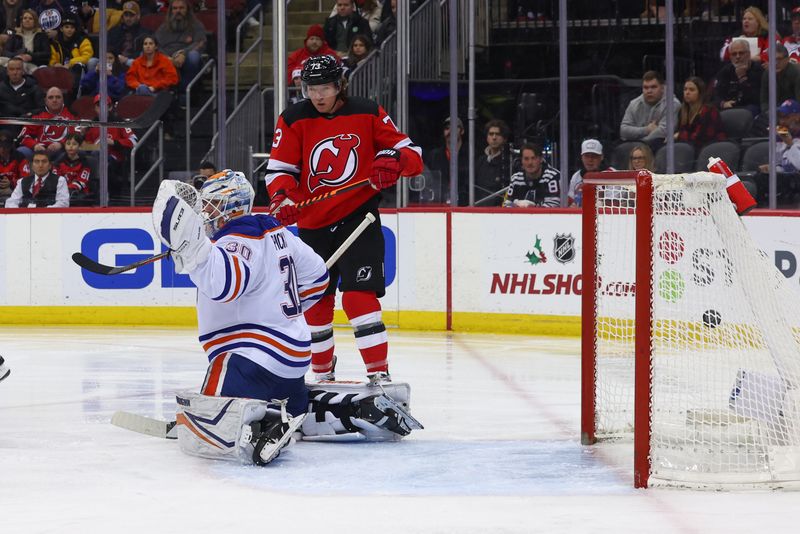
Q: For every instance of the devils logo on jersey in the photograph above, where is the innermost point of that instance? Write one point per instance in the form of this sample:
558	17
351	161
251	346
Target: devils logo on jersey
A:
333	161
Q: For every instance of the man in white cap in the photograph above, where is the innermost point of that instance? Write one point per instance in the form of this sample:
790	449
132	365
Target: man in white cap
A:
592	161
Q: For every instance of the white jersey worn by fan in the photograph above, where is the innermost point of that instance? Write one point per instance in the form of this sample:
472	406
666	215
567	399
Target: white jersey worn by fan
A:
254	264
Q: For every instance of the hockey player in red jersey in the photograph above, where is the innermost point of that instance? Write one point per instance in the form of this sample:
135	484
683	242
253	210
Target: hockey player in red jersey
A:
324	142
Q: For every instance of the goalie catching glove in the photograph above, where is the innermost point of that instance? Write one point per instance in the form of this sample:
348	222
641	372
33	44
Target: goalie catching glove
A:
179	225
737	192
282	208
386	169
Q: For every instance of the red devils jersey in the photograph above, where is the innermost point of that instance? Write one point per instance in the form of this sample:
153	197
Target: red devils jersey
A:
122	137
77	173
14	168
31	135
313	154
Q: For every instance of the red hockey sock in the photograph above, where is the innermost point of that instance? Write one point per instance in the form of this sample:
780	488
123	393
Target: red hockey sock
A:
364	312
320	322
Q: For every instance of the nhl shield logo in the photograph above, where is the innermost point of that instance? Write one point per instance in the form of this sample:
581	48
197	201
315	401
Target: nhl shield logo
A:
563	248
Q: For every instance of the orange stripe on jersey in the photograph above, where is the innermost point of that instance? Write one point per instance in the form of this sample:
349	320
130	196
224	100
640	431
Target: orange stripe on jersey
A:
214	373
237	276
183	420
316	289
249	335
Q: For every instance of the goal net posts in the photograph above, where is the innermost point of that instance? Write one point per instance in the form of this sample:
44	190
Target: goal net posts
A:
691	336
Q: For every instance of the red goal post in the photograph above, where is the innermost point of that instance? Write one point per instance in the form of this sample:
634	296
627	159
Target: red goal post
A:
691	337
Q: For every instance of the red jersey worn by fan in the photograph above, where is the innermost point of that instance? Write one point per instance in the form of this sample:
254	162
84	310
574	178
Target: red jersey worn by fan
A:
76	172
123	138
32	135
14	168
313	154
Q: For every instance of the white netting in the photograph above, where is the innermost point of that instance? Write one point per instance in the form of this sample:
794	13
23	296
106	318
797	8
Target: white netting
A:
725	404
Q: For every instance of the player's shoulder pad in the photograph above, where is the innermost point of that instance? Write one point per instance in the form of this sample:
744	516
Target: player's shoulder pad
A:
249	226
302	110
356	105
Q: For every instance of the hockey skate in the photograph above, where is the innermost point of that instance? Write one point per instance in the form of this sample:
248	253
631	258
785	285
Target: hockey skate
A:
383	411
378	378
330	376
272	433
4	370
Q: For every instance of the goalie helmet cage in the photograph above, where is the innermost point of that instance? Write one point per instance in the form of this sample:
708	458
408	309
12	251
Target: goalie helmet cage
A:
691	337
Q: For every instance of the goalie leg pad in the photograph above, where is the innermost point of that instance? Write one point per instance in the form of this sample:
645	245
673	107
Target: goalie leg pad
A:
240	430
347	411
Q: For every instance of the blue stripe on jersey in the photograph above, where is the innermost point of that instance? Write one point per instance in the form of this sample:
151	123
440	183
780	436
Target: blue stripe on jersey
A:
227	275
231	346
246	279
166	218
253	326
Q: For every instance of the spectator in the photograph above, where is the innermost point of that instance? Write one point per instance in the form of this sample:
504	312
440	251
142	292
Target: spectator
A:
792	42
438	161
38	138
360	48
90	15
370	10
645	118
388	22
787	79
51	12
313	46
120	141
115	78
591	161
787	150
42	188
125	39
755	29
493	168
29	43
152	71
75	168
738	83
20	95
342	27
72	50
9	13
537	185
13	166
182	38
205	170
699	123
641	158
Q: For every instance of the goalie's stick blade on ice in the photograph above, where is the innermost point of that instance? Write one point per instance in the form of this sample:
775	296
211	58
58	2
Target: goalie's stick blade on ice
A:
145	425
92	266
158	107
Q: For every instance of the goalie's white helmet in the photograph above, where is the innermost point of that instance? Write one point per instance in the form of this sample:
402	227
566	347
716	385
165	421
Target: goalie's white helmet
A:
225	196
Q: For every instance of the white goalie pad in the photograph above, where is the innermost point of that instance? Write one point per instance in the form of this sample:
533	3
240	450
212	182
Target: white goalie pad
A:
218	427
330	412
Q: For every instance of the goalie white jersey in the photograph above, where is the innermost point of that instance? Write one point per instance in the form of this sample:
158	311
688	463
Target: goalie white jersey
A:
252	291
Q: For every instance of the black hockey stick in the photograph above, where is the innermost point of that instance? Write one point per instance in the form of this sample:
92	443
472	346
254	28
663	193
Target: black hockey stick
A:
157	108
92	266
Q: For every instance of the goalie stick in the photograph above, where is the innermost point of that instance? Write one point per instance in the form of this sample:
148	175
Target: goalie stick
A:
93	266
157	108
167	429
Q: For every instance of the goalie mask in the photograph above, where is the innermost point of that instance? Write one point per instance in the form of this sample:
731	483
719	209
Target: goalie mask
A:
225	196
321	70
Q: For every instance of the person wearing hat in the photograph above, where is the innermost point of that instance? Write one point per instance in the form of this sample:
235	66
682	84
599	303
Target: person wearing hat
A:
537	185
313	46
787	149
438	161
738	82
72	49
591	161
13	166
125	39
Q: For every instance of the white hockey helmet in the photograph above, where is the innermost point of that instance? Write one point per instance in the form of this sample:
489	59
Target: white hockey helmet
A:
225	196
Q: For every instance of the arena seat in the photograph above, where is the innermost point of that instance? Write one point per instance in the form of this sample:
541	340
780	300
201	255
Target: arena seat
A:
727	150
684	158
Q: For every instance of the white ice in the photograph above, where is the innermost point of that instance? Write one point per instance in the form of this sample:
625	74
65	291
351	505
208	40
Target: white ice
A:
500	451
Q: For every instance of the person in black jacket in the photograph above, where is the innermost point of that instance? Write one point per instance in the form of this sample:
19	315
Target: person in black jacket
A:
20	95
15	47
125	39
346	24
437	162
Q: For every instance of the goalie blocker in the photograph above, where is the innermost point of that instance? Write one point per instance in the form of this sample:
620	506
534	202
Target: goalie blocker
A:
251	431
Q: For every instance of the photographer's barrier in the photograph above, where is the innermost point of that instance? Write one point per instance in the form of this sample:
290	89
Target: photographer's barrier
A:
479	270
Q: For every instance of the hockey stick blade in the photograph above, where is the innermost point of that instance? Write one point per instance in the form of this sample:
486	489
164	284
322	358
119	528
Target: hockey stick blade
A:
158	107
145	425
90	265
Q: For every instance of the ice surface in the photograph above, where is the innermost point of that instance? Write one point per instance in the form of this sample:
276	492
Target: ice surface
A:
500	450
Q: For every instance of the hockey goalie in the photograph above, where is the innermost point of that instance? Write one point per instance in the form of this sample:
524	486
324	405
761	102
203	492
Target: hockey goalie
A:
255	279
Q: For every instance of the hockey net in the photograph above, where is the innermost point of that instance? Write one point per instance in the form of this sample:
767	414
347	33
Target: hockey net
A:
691	339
